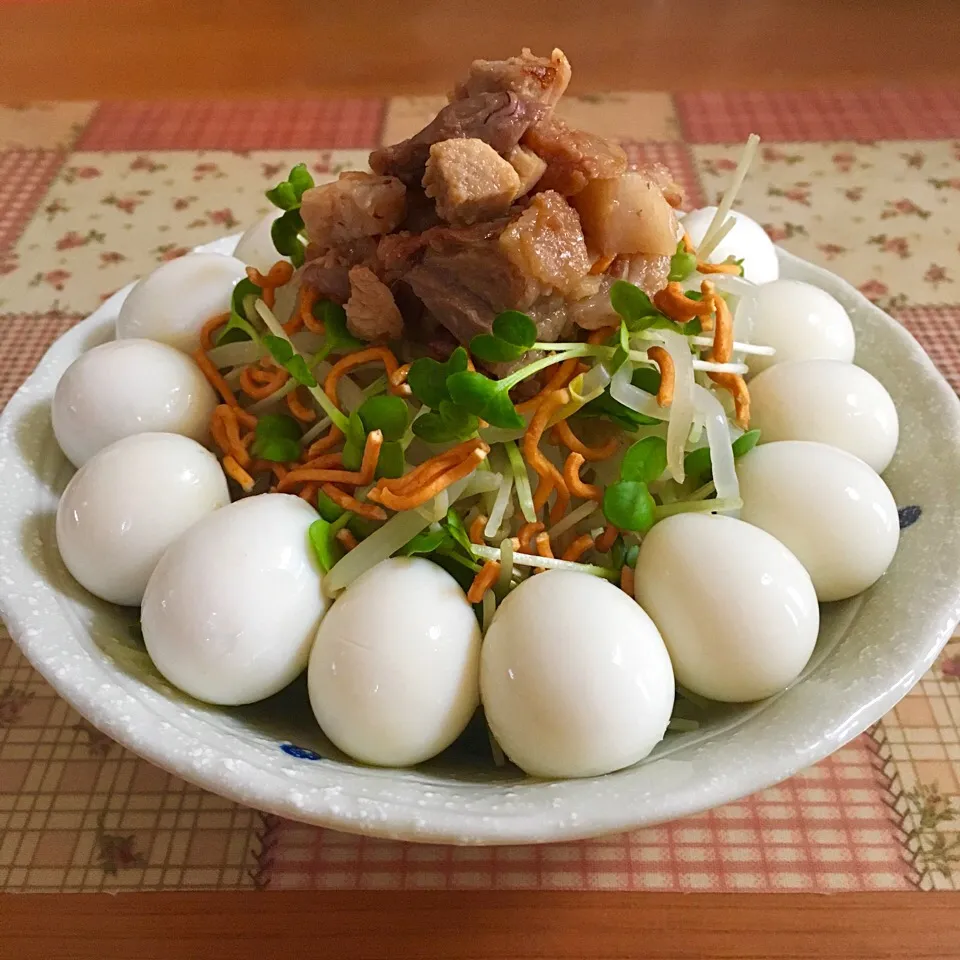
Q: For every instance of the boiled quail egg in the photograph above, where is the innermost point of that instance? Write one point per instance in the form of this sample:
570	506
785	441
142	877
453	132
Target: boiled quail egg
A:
128	503
232	608
747	241
125	387
801	322
575	680
827	506
393	672
735	607
827	401
174	302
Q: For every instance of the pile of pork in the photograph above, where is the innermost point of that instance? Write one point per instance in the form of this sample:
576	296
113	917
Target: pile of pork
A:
495	205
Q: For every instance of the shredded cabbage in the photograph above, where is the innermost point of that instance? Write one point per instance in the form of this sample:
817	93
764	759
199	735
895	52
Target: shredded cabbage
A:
721	449
623	391
754	349
573	518
500	504
382	543
506	564
235	354
488	609
521	480
682	408
549	563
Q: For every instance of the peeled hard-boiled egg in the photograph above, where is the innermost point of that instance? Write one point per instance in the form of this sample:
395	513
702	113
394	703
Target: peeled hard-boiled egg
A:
827	401
255	247
174	302
747	241
801	322
232	608
827	506
735	607
126	387
128	503
393	672
574	678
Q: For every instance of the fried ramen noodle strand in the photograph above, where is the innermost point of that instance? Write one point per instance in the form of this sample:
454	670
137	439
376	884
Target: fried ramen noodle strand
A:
213	376
346	502
592	454
418	498
571	474
236	472
544	469
668	376
368	467
483	581
578	548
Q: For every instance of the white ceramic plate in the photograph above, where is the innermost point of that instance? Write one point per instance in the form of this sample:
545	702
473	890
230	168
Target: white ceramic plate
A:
871	650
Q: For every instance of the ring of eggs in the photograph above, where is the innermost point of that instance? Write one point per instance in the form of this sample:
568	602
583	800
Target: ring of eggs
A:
575	678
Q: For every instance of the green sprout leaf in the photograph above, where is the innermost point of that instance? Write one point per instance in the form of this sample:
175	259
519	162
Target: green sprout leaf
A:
356	440
427	541
629	506
283	353
427	377
329	510
645	461
514	333
699	467
387	414
288	193
323	539
682	264
646	378
391	463
485	398
285	233
300	180
337	338
445	424
277	438
238	326
458	532
605	406
630	557
745	442
633	305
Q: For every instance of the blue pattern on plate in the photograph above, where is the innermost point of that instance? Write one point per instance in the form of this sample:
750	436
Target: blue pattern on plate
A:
301	753
909	516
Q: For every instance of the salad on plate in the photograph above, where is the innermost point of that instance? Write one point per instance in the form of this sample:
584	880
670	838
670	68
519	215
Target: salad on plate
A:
492	426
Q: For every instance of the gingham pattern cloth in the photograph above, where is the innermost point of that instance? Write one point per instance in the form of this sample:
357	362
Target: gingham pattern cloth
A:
93	195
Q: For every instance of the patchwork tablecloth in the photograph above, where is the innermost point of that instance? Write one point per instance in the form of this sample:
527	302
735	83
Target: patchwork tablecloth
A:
93	195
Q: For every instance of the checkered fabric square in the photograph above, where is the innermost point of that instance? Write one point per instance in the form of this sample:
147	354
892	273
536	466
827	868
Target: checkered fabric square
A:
234	125
830	828
938	331
24	178
730	116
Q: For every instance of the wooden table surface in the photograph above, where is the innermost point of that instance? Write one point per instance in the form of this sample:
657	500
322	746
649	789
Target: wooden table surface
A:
92	49
350	925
